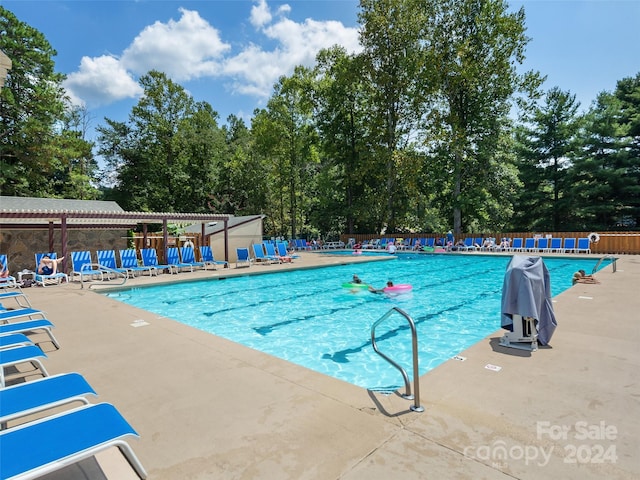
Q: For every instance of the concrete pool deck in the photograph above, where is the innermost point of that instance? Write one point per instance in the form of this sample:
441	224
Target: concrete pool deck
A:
208	408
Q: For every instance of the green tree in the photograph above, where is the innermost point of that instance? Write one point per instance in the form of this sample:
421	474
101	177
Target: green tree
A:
340	112
399	83
168	154
31	105
475	46
285	140
605	177
241	185
549	140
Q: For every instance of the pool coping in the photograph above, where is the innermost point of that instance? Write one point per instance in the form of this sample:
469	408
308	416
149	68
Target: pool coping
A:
209	408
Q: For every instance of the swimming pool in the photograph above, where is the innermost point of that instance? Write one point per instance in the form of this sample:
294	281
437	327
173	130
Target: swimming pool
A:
306	317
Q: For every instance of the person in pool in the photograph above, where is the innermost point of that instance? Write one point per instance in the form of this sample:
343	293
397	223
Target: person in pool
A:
356	279
380	290
581	277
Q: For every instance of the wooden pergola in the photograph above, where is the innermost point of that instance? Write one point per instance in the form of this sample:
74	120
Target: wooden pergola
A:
83	219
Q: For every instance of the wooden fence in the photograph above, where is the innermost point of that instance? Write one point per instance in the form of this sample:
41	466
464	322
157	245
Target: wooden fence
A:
609	242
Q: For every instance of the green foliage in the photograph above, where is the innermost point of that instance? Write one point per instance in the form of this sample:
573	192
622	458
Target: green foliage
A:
412	134
549	141
40	153
605	177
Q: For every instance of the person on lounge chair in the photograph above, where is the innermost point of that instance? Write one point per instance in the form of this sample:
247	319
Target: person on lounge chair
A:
48	265
4	271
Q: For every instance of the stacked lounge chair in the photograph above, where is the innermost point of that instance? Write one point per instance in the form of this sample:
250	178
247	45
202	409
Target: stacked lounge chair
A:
42	427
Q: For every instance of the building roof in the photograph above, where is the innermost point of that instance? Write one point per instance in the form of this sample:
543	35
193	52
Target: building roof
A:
89	213
216	227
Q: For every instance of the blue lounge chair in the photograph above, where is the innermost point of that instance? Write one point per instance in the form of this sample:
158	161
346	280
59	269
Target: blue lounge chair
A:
42	394
556	245
282	251
18	295
272	255
529	244
516	245
107	260
188	255
52	279
37	448
150	259
173	259
30	326
14	340
129	261
543	245
569	245
83	268
208	259
260	256
7	281
583	245
18	355
243	257
8	315
468	243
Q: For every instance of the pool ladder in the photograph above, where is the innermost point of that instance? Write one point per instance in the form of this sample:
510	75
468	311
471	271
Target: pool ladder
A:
606	257
416	373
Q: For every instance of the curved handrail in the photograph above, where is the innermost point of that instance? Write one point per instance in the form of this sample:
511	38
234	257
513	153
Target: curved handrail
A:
416	373
602	259
103	269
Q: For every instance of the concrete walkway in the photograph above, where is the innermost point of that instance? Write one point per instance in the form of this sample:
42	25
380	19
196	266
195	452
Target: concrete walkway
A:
208	408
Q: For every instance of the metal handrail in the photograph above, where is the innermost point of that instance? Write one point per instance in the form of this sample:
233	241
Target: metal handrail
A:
602	259
102	269
416	374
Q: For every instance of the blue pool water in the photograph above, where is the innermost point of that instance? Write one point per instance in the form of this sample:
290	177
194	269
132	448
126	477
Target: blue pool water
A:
306	317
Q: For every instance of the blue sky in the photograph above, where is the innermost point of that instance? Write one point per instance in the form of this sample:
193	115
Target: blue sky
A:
231	52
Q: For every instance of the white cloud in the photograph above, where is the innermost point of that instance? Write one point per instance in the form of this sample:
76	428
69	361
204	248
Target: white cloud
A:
254	71
184	50
260	14
190	48
100	81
